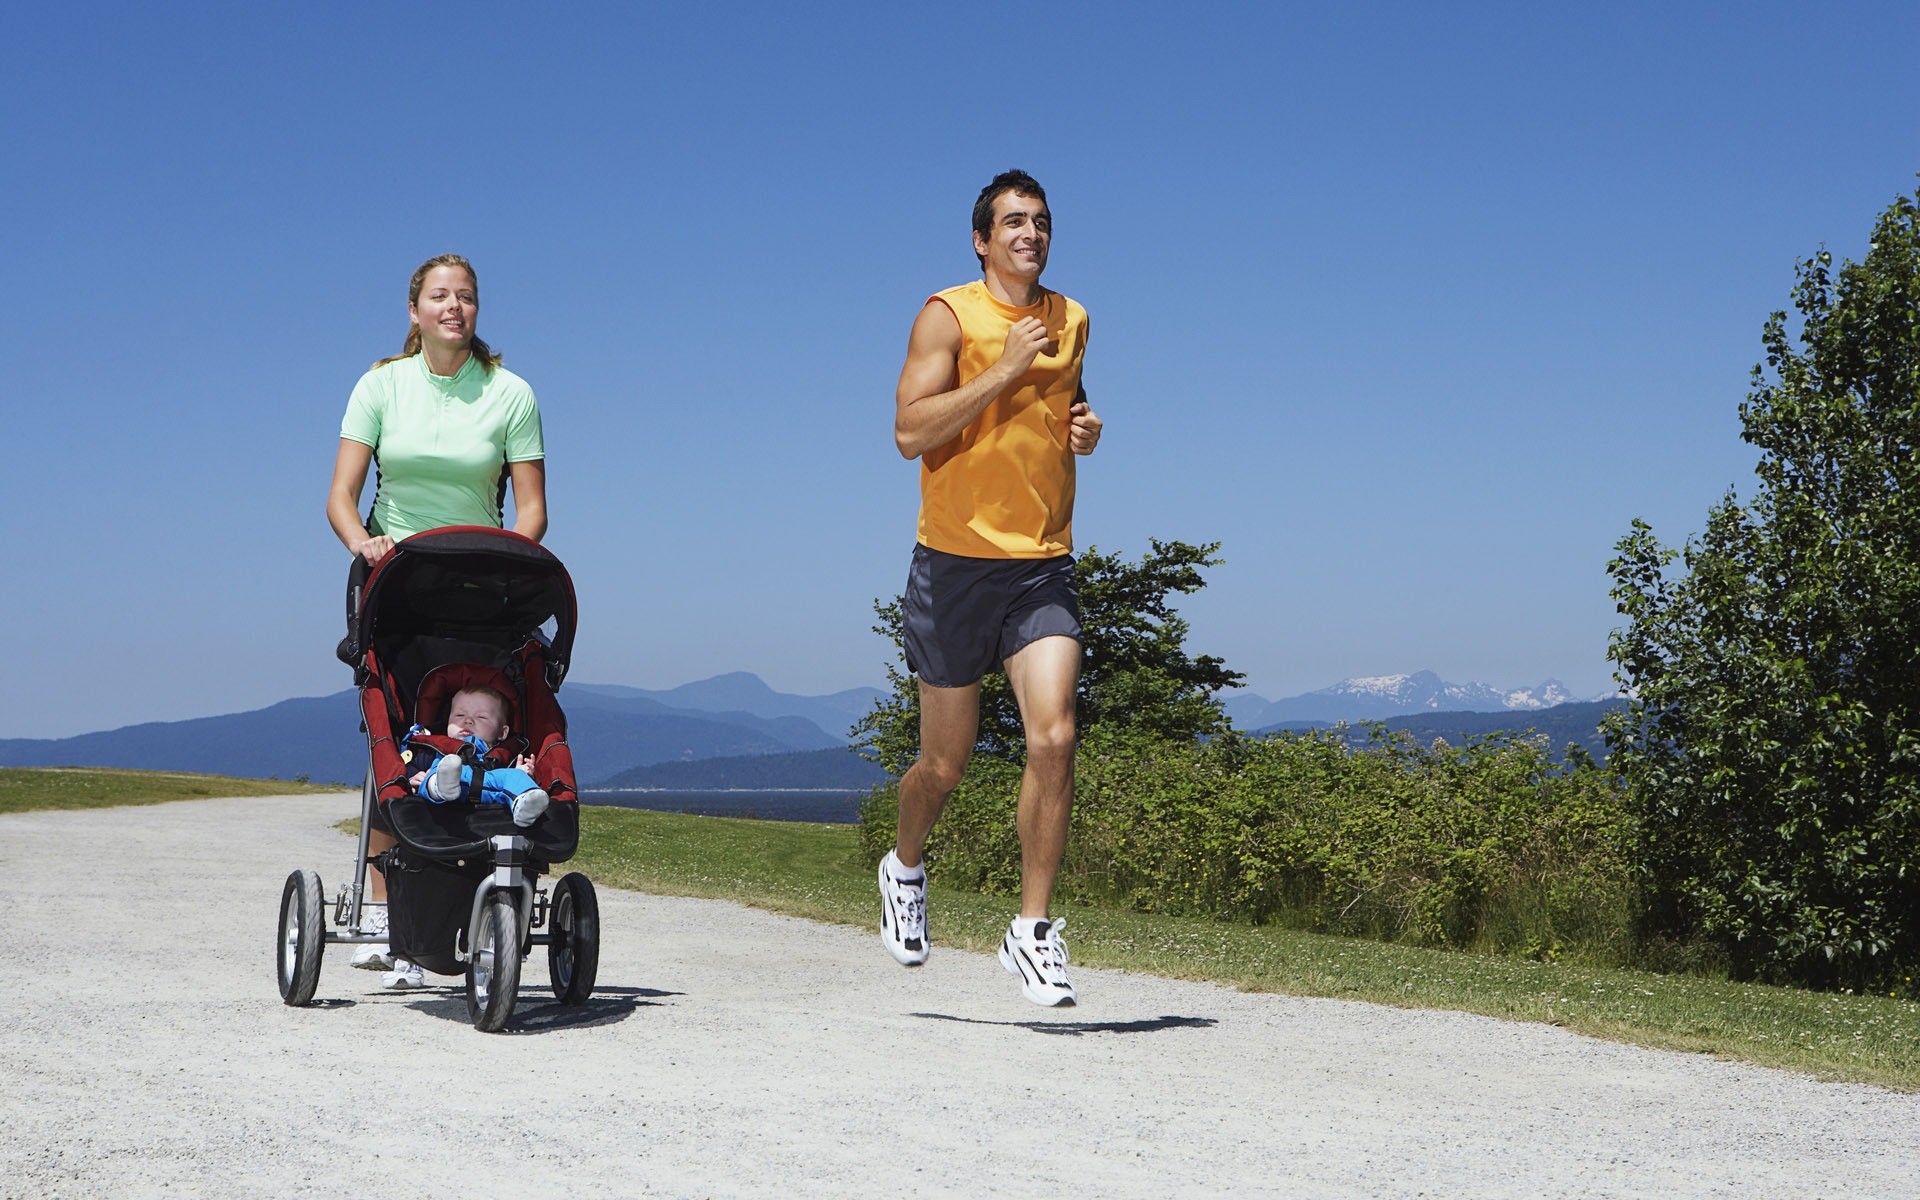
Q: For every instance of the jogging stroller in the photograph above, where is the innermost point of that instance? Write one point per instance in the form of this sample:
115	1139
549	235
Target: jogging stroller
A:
450	609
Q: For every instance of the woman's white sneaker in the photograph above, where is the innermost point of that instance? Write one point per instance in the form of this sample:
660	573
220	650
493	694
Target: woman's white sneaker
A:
903	911
373	956
405	976
1034	954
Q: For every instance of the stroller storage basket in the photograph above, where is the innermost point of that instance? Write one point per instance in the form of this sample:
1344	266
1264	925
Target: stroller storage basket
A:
428	901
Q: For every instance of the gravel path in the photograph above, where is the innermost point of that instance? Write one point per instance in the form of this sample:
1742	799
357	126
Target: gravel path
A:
144	1051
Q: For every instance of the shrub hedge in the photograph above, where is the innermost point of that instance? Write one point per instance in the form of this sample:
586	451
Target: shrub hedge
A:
1491	845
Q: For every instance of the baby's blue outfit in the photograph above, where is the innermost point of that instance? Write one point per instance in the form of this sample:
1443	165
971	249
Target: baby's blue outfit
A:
501	785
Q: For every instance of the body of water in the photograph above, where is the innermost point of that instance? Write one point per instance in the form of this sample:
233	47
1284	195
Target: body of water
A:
834	808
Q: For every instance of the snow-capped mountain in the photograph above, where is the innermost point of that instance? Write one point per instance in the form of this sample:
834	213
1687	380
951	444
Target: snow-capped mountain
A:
1377	697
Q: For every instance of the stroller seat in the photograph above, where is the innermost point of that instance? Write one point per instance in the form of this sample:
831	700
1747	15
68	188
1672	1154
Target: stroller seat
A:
456	829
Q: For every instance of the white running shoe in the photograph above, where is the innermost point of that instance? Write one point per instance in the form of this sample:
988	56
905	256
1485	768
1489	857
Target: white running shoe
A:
404	977
903	912
1033	951
445	782
528	806
372	956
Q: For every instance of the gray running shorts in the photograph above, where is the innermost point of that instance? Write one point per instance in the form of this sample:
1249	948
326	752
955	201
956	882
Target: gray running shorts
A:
965	616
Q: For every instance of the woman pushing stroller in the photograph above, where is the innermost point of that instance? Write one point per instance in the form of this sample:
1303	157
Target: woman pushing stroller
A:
448	431
455	622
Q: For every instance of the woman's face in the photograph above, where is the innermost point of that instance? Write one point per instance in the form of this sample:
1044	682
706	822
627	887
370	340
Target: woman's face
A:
448	308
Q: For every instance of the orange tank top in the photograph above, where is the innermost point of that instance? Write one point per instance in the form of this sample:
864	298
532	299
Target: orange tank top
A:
1003	488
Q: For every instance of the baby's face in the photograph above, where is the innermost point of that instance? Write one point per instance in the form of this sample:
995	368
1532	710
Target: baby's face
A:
475	714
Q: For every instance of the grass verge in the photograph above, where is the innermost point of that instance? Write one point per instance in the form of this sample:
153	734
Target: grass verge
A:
38	789
816	872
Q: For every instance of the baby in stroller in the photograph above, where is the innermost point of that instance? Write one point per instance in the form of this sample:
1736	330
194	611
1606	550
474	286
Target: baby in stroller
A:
477	719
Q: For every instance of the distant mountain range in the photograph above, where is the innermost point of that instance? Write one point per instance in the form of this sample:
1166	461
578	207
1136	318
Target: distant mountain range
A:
609	728
741	692
733	731
1562	725
1380	697
315	736
840	770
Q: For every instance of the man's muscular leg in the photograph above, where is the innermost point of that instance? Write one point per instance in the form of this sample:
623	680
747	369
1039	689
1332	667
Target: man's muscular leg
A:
949	724
1044	675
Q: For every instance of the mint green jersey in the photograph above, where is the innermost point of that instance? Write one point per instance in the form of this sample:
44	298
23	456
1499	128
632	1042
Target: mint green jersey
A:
441	445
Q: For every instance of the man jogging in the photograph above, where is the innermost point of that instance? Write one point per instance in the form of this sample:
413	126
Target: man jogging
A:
991	404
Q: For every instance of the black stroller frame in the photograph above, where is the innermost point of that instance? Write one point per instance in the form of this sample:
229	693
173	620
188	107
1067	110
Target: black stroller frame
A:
450	609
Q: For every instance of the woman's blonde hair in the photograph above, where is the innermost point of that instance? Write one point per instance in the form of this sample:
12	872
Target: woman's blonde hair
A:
481	351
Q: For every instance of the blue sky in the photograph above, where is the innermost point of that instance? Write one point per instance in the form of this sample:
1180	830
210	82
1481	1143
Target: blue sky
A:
1413	307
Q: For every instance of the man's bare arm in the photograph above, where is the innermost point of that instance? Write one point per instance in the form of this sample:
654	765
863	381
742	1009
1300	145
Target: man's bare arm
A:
931	406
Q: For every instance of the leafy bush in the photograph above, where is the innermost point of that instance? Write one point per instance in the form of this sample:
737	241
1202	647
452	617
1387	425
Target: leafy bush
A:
1490	845
1773	743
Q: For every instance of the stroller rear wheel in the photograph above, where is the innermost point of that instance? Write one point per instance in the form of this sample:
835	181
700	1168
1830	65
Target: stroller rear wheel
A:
493	971
303	935
573	943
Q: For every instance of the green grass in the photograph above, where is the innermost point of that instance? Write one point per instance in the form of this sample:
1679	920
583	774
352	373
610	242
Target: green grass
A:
816	872
31	789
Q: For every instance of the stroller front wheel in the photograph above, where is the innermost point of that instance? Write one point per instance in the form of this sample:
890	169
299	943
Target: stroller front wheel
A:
303	935
573	943
493	971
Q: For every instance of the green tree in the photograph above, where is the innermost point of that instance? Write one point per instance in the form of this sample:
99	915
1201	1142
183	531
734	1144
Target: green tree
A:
1771	745
1137	672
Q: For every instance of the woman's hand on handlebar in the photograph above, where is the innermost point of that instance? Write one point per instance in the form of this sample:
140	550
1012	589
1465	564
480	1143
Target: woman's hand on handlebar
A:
374	549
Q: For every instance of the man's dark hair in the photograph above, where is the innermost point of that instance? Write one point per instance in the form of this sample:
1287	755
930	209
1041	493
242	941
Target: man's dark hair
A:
1016	181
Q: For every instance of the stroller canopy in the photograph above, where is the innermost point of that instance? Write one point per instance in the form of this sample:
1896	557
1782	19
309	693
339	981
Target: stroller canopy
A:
474	583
